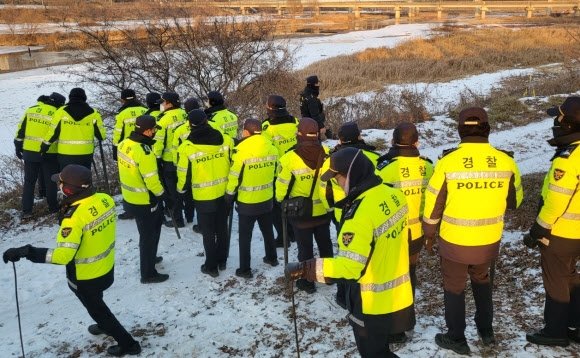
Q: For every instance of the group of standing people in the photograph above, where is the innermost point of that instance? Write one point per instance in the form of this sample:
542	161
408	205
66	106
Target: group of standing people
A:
178	161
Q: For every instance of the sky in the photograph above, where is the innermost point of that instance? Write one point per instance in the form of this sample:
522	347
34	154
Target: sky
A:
193	315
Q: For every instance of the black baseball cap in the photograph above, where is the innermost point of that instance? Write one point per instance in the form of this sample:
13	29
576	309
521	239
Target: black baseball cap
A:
348	132
570	110
197	117
145	122
170	97
74	174
127	94
472	116
341	162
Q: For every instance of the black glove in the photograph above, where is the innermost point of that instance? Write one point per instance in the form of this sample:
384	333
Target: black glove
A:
230	198
159	166
537	233
44	148
167	202
16	253
19	153
115	153
18	147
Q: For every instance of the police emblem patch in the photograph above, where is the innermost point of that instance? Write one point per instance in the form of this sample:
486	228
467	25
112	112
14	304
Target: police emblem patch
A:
347	238
65	231
558	174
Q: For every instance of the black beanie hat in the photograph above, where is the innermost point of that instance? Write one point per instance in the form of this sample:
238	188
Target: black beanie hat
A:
190	104
312	80
405	134
77	93
197	117
57	99
348	132
215	98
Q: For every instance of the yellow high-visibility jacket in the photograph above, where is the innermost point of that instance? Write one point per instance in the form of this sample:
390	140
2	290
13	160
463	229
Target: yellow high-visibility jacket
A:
33	126
411	175
373	250
560	211
125	122
168	120
138	172
282	135
224	121
469	192
75	137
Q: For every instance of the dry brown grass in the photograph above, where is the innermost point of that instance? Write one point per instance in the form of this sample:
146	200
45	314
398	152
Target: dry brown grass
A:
458	54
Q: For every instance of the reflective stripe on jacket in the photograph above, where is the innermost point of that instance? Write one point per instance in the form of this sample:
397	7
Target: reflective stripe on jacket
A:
282	135
75	137
226	122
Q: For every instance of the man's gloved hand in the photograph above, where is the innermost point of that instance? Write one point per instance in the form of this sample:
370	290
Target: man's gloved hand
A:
167	202
16	253
115	153
230	198
294	270
159	166
19	153
537	233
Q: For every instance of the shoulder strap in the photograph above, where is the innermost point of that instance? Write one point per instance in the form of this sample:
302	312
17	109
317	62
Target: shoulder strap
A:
318	165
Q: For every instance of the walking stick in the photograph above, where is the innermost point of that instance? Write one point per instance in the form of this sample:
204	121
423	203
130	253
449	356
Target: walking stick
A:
230	222
18	309
174	223
104	167
291	283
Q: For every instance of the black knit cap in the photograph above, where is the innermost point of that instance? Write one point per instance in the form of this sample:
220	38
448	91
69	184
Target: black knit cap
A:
215	98
74	174
127	94
190	104
405	134
197	117
569	110
77	93
348	132
312	80
342	161
57	99
145	122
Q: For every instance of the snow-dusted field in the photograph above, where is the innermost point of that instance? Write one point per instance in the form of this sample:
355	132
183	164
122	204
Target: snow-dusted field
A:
194	315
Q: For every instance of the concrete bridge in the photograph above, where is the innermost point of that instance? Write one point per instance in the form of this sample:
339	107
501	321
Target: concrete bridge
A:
411	8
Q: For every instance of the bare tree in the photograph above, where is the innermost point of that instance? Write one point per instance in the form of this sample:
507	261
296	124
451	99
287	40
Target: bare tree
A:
179	52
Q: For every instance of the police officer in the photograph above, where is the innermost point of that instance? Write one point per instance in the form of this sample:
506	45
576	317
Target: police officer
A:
373	254
204	164
251	185
171	117
142	192
181	134
280	127
297	178
405	169
33	126
556	231
219	116
75	126
153	103
125	118
474	172
86	245
349	136
311	106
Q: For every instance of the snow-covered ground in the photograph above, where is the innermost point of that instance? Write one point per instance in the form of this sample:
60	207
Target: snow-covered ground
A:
193	315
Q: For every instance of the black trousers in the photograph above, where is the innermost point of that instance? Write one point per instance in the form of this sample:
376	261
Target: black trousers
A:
214	229
371	340
170	181
149	219
246	226
32	171
84	160
188	205
303	237
92	299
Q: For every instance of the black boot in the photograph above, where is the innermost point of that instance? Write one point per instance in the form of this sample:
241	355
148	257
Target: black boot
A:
458	346
574	335
455	314
119	351
305	286
483	312
542	338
